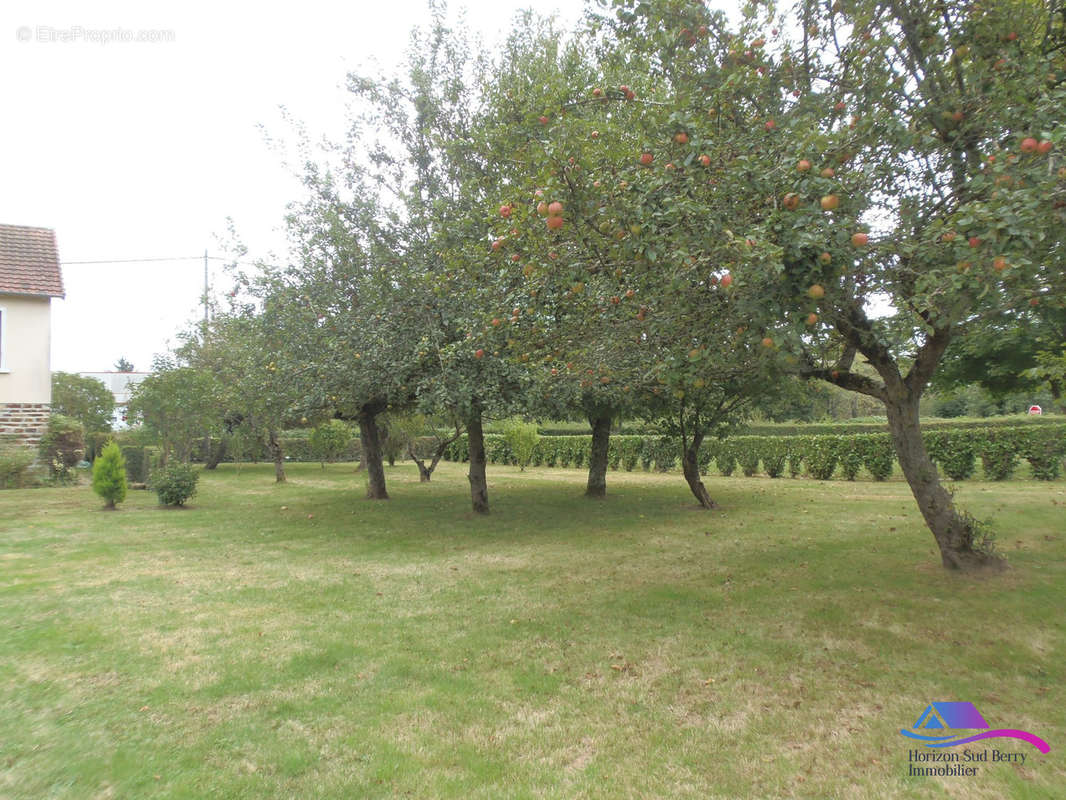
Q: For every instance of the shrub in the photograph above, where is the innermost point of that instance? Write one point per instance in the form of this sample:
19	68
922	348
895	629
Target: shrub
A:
998	457
852	452
1044	451
796	456
879	456
749	459
62	446
175	483
774	455
327	441
15	463
726	460
109	475
136	465
822	457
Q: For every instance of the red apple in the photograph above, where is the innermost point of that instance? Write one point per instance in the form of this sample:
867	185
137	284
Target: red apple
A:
999	263
767	342
542	208
770	124
496	245
705	160
1029	145
681	137
646	159
816	292
554	223
830	202
515	257
1044	147
860	239
479	353
975	241
543	120
505	211
791	201
803	165
828	172
812	319
727	280
555	209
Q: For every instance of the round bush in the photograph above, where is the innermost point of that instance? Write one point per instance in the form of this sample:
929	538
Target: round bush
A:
175	484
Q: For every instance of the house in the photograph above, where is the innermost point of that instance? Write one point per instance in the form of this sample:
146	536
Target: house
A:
29	278
121	385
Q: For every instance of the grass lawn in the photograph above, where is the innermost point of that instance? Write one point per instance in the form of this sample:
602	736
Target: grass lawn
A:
299	641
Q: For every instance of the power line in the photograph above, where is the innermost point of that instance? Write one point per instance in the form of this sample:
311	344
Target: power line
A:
171	258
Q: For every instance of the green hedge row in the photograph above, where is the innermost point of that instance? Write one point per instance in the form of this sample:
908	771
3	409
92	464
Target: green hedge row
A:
955	452
873	425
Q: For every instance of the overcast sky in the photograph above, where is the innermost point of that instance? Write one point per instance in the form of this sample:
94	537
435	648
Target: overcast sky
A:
142	149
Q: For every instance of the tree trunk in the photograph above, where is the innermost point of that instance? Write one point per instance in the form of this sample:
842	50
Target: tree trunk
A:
601	439
690	466
953	532
215	453
479	489
279	458
371	445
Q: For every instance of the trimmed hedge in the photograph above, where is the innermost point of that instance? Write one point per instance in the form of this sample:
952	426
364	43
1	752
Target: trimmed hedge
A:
954	451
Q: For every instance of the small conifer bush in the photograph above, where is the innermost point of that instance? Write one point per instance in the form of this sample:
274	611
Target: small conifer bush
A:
109	475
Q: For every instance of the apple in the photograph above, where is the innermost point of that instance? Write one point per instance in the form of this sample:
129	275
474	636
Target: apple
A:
1010	37
812	319
496	245
975	241
505	211
999	263
1029	145
803	165
1044	147
543	120
816	292
840	106
646	159
669	165
770	124
555	209
1034	302
542	208
479	353
515	257
554	223
957	116
767	342
948	237
830	202
860	239
629	293
594	135
681	137
605	380
828	172
791	201
758	43
495	322
727	281
597	92
825	258
615	300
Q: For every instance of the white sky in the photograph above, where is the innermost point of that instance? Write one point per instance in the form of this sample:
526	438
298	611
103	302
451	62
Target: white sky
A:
143	149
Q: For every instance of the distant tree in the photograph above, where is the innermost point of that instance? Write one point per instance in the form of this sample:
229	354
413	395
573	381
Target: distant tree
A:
329	440
123	365
85	399
109	475
178	404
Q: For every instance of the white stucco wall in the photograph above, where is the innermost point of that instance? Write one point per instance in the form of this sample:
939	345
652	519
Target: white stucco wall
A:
26	375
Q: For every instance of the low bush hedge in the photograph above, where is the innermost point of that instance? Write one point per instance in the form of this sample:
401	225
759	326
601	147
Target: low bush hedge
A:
954	451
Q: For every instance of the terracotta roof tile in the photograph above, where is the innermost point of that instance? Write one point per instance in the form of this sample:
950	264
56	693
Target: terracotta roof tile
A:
29	261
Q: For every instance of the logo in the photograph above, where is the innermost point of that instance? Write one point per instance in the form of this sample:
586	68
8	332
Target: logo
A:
943	716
